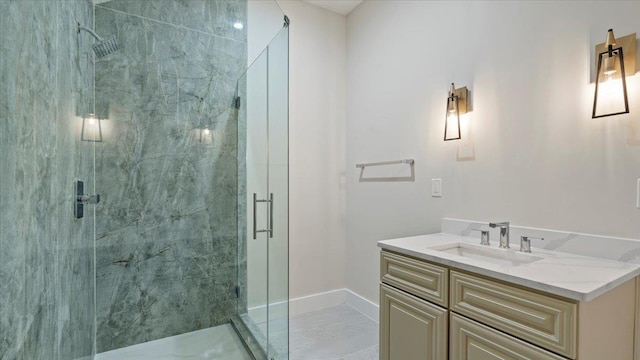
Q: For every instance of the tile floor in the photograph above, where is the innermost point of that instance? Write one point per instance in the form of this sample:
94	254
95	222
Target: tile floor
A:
226	345
335	333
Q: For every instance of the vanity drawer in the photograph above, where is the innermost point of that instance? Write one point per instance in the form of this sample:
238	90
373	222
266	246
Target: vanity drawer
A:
419	278
542	320
471	341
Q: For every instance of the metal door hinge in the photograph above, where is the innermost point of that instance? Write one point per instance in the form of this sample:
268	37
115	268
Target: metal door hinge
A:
237	291
237	102
286	21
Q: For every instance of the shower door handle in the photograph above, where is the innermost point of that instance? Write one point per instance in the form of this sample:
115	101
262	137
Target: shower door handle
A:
255	216
271	215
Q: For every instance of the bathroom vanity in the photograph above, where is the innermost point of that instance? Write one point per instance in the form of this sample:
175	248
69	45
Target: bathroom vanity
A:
448	297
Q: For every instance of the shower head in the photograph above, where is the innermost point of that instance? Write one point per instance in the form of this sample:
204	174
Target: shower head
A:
105	46
102	47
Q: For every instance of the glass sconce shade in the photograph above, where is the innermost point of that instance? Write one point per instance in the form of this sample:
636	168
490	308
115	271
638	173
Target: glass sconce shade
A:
612	68
206	136
91	129
452	119
456	106
610	96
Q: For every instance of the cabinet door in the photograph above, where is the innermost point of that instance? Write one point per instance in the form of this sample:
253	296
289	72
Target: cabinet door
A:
411	328
473	341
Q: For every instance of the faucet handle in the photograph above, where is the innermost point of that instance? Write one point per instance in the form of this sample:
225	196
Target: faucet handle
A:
525	243
484	236
504	224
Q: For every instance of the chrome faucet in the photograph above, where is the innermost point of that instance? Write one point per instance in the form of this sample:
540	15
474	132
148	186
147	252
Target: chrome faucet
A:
484	237
525	243
504	233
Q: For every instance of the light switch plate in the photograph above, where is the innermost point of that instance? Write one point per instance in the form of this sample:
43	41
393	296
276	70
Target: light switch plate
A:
436	187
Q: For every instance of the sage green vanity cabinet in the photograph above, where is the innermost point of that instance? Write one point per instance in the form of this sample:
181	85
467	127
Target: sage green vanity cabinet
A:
431	311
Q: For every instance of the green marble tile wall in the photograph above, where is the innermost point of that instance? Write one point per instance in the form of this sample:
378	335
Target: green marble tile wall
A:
167	250
46	256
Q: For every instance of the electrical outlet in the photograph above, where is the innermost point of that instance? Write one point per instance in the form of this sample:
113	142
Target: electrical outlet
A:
436	187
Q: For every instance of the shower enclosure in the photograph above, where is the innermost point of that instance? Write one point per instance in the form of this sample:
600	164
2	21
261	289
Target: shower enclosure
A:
263	192
186	146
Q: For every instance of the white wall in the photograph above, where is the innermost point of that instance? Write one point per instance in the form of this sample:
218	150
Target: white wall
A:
317	150
264	21
539	159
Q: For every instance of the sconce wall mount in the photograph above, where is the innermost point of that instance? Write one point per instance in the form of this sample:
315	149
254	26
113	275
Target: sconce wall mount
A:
628	43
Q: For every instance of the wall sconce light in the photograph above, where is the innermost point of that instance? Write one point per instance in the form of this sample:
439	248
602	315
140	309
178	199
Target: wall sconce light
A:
205	135
91	129
612	68
456	106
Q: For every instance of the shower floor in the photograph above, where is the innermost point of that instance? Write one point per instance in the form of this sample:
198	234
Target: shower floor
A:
220	342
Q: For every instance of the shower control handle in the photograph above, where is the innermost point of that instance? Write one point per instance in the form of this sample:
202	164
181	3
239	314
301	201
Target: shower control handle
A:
81	199
89	199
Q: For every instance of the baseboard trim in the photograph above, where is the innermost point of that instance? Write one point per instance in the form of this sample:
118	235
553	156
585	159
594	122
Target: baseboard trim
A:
314	302
277	310
319	301
363	305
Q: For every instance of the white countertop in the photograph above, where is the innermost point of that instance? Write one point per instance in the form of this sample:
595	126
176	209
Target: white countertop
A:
571	276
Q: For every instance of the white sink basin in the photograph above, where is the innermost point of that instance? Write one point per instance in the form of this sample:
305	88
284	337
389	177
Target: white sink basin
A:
501	257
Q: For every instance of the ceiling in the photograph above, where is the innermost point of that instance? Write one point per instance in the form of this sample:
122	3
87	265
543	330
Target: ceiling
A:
342	7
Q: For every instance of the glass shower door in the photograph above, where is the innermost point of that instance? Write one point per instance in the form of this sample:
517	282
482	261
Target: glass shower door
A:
253	113
264	198
278	185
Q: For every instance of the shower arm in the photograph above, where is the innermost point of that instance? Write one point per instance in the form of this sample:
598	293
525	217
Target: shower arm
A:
93	33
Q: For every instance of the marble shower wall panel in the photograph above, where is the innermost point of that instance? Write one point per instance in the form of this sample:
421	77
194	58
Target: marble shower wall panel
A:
167	224
75	287
215	17
20	320
46	282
